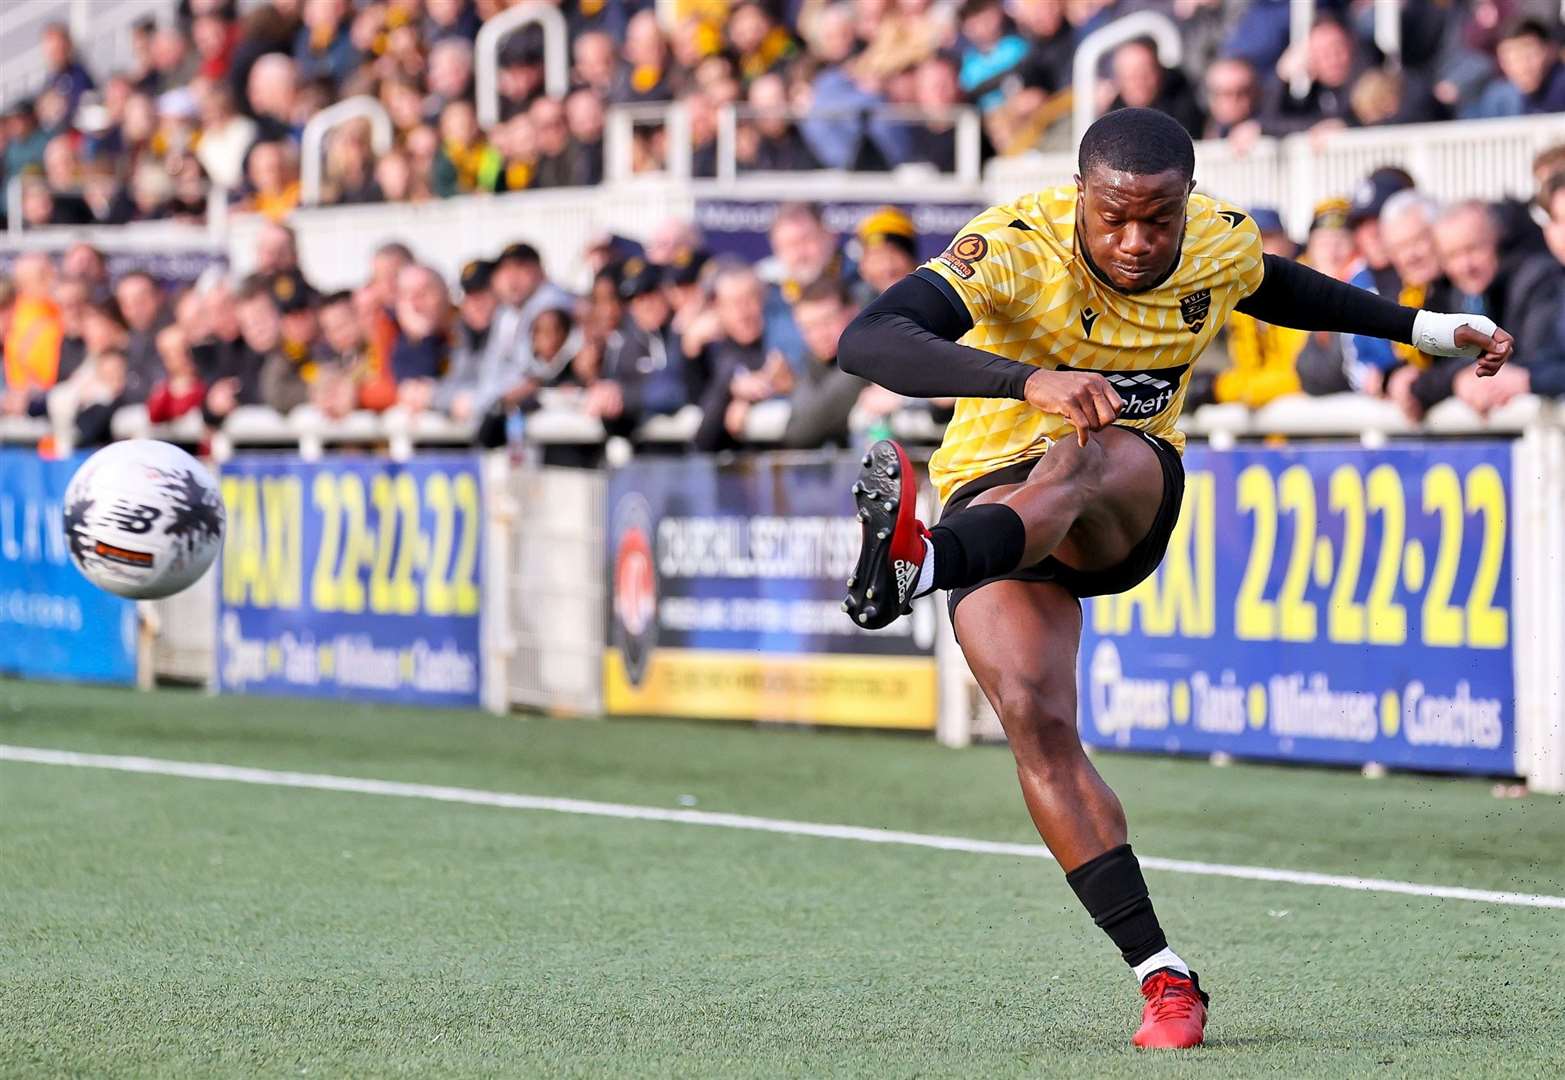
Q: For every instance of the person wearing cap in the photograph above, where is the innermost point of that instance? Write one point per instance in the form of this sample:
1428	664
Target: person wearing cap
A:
642	373
24	139
1329	247
1261	357
888	249
459	392
289	376
682	284
1369	197
521	291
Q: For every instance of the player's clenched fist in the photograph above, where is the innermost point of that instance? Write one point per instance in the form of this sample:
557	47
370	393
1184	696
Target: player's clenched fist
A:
1085	398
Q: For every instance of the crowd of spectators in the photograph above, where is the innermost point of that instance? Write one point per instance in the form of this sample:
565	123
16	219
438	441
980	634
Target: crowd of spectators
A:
666	329
1505	260
218	100
664	326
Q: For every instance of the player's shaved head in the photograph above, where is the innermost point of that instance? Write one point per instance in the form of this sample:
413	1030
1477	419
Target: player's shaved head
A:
1144	142
1136	177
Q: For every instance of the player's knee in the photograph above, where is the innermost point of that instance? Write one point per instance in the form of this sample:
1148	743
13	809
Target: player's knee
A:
1039	722
1069	465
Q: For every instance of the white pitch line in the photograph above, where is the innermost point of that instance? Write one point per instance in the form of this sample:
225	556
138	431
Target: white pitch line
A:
239	774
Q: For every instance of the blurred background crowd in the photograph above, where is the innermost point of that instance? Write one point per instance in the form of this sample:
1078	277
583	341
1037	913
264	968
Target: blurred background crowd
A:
218	100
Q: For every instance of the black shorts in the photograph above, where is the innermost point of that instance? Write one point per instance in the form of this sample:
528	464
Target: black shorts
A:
1126	575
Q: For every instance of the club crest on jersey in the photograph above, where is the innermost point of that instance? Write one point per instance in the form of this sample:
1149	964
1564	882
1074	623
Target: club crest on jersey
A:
1193	309
963	253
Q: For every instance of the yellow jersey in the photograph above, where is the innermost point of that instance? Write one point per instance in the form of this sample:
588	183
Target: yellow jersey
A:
1033	298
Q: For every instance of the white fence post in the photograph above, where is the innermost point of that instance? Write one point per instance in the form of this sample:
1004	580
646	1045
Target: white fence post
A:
312	143
1098	44
1538	598
486	55
496	643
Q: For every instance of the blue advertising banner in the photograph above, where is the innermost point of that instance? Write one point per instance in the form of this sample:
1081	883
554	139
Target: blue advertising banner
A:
1320	604
54	624
727	585
351	578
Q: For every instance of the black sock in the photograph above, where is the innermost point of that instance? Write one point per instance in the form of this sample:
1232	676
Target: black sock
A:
1114	893
977	543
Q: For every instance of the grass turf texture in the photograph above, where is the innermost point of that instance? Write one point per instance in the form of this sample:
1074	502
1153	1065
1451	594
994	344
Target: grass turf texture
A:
163	926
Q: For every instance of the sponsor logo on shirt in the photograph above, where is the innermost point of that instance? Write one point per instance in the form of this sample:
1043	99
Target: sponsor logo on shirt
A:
1144	393
963	253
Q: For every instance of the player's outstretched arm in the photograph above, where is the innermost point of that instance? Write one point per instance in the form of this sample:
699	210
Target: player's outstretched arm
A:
1293	295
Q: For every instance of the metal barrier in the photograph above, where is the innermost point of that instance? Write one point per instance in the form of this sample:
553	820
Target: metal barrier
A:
491	37
336	243
312	143
545	602
216	227
967	131
1101	42
619	139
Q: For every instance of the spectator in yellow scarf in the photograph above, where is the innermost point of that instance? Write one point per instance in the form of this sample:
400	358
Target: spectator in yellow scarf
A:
464	154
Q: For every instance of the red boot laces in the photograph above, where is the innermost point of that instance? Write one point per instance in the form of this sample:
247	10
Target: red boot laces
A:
1171	997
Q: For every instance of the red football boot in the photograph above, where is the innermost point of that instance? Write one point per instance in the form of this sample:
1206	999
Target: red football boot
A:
1175	1013
892	551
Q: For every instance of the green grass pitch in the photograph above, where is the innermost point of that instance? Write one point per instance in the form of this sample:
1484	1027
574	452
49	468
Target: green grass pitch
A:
159	926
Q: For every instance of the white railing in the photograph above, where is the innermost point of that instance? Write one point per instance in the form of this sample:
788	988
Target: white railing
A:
490	40
1095	46
312	143
216	226
619	139
335	243
967	132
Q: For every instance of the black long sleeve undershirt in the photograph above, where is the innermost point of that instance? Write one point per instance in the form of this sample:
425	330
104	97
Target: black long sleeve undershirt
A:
906	339
1293	295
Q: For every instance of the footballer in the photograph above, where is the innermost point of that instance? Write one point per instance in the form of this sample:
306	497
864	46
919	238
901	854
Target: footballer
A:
1081	310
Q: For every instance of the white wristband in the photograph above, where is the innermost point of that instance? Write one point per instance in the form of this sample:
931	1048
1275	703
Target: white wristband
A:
1435	332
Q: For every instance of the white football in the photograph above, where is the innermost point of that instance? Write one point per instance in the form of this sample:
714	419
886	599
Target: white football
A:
143	519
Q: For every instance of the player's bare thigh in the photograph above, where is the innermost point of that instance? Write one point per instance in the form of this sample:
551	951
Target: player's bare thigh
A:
1111	489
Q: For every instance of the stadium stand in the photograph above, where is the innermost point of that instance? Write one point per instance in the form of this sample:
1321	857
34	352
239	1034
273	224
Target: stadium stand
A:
270	153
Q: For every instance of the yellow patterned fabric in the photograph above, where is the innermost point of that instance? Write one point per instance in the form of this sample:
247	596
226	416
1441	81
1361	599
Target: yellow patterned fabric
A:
1033	298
